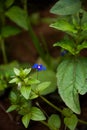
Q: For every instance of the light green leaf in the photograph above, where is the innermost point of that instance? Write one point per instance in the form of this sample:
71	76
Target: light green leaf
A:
81	46
71	81
37	114
18	15
66	7
12	108
33	81
25	91
9	31
54	122
41	87
17	71
71	122
67	45
47	76
64	25
26	119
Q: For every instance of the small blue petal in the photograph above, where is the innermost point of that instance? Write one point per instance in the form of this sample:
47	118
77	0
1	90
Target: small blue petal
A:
35	66
63	53
39	67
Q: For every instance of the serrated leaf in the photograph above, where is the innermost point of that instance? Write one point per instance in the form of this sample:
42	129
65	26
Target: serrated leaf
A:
54	122
71	81
18	15
12	108
67	45
64	25
37	114
9	31
66	7
71	122
25	91
26	119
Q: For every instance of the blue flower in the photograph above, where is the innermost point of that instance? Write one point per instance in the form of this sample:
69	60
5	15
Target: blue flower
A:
63	52
39	67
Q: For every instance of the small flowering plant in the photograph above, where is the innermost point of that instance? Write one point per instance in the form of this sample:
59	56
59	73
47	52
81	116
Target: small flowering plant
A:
70	77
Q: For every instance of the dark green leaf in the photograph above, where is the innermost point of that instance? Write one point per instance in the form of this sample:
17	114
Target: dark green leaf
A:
71	122
8	3
67	45
67	112
81	46
66	7
8	31
71	80
18	15
37	114
54	122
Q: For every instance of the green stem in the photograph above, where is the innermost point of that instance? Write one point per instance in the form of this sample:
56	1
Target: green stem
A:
51	104
33	36
58	109
3	49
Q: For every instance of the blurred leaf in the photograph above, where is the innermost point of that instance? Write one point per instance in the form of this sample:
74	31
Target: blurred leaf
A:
71	122
18	15
12	108
39	89
66	7
7	69
26	119
64	25
8	3
37	114
9	31
48	76
67	112
54	122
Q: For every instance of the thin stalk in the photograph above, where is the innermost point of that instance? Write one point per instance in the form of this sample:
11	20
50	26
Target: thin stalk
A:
51	104
58	109
33	35
2	43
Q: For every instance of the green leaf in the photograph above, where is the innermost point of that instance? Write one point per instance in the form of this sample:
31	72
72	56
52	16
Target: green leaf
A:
81	46
26	119
71	122
37	114
17	72
64	25
71	81
25	91
12	108
67	112
47	76
66	7
33	81
19	16
9	31
39	89
7	70
8	3
54	122
66	44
